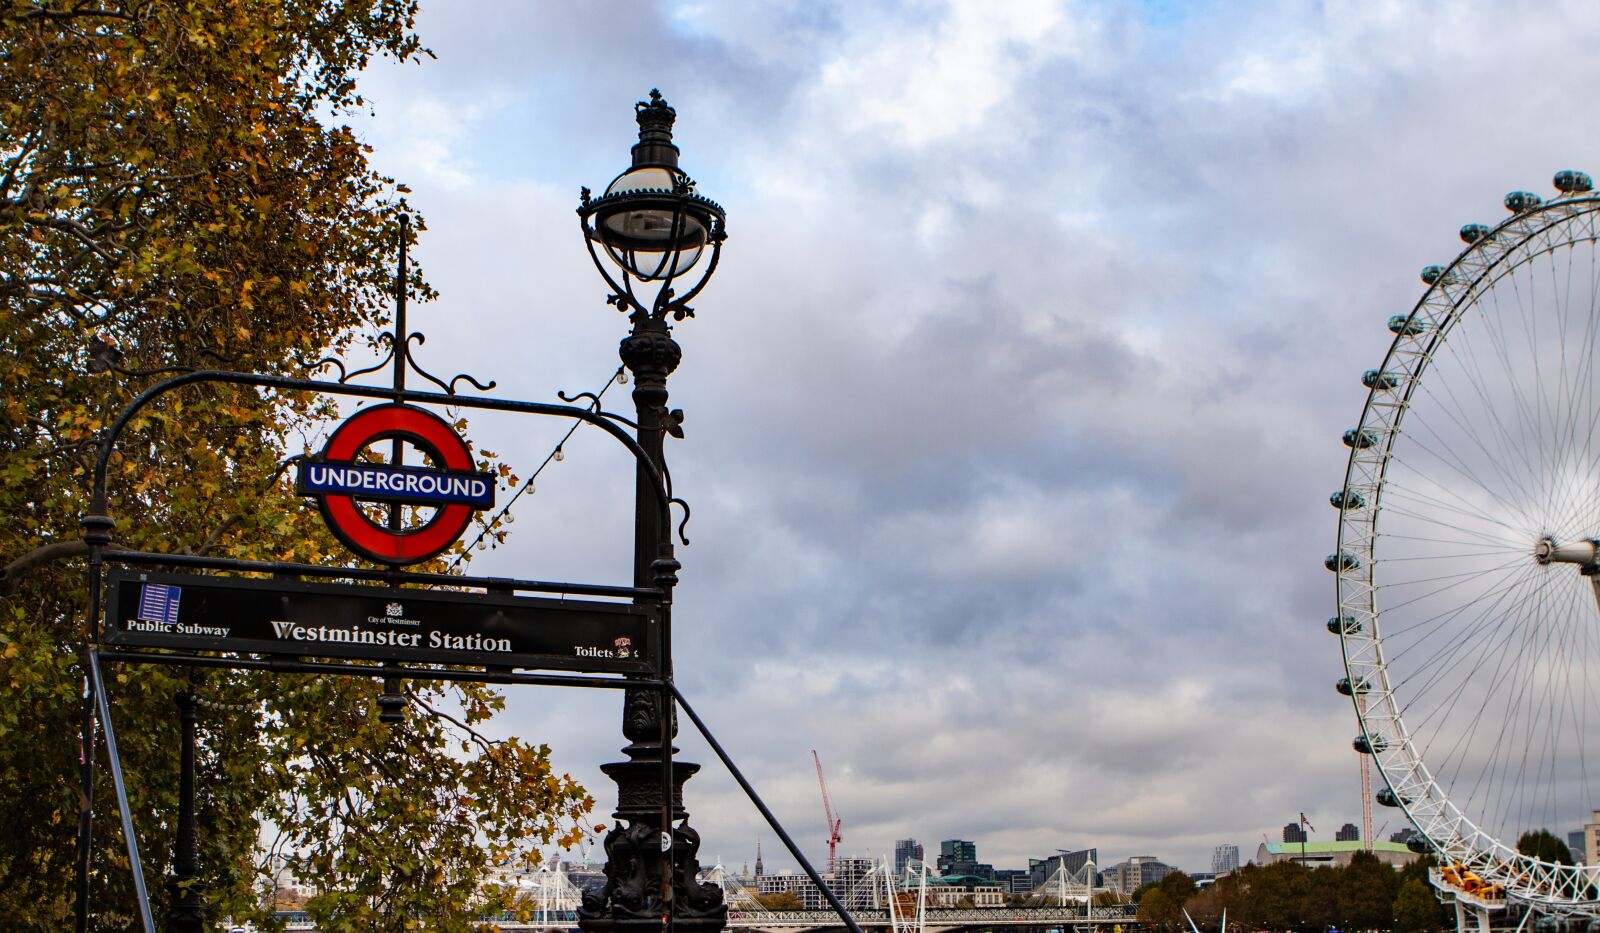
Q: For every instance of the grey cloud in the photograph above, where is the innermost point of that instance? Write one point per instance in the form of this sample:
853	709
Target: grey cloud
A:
1009	447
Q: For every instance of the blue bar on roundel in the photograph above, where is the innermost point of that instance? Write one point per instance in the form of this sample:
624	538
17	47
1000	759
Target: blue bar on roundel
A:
397	484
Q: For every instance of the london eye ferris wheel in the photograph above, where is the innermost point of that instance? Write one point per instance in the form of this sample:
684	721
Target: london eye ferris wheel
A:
1468	575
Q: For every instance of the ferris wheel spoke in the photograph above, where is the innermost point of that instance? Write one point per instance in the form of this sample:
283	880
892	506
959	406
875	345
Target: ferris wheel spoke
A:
1493	328
1457	579
1469	648
1517	674
1415	497
1525	409
1496	541
1509	461
1512	455
1443	452
1489	545
1541	710
1451	760
1455	464
1486	611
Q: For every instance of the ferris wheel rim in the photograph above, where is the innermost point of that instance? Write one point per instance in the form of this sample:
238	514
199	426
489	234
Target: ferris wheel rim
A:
1412	786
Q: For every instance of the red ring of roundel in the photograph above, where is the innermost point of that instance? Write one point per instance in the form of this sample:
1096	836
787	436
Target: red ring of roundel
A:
352	526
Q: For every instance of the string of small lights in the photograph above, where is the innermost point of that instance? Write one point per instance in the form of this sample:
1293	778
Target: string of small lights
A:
557	454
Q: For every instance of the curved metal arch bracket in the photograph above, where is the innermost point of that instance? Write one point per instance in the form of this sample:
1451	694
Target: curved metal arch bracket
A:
685	523
450	388
385	339
594	406
98	506
621	294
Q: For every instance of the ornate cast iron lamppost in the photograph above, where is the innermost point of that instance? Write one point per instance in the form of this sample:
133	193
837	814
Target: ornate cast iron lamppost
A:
648	235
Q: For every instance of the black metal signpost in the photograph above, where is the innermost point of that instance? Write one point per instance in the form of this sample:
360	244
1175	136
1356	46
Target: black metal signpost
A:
387	622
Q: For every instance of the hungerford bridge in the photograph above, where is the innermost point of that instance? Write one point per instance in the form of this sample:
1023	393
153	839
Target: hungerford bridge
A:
900	904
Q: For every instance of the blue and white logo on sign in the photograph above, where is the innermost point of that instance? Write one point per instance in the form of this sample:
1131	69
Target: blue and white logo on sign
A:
397	484
158	602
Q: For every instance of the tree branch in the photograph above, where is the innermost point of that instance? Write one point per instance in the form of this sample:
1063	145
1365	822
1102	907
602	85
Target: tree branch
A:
11	576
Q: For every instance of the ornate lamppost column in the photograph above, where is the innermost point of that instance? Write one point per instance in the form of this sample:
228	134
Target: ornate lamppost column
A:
187	913
646	233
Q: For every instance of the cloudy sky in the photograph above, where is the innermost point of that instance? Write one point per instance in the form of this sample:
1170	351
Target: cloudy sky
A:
1014	407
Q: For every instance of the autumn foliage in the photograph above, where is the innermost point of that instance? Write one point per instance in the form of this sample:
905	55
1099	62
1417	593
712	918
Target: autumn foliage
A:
1366	894
176	192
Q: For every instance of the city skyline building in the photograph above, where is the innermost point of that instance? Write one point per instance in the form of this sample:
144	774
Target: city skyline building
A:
905	851
1348	833
1133	874
1591	841
1014	880
1294	832
1072	860
960	857
1224	859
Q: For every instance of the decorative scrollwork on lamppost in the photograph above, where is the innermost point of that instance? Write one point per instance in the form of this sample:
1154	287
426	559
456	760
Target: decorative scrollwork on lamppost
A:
656	243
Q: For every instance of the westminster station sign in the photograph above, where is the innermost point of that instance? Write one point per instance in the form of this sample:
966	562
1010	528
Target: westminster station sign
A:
204	613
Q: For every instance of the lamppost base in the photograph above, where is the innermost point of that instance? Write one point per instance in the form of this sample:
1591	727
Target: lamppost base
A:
187	913
631	899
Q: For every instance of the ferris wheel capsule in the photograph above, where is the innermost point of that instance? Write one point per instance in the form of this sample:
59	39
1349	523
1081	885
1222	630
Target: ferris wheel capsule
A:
1370	744
1472	233
1405	325
1347	687
1568	181
1359	439
1379	380
1520	202
1344	625
1388	798
1347	499
1341	561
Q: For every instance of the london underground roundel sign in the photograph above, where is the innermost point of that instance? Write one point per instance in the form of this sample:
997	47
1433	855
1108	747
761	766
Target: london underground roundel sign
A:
451	486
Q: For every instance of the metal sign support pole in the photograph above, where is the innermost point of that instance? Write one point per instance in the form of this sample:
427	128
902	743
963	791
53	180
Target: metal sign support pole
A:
134	862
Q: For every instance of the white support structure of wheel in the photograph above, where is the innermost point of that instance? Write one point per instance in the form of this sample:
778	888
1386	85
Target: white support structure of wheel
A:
1465	565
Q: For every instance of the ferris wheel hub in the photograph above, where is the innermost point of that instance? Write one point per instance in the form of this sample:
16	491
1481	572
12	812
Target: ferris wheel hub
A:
1584	552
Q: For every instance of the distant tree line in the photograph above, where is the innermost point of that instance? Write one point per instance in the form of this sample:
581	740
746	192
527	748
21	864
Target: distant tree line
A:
1367	894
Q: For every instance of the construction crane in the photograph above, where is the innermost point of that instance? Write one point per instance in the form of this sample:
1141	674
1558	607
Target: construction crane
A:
1366	777
835	823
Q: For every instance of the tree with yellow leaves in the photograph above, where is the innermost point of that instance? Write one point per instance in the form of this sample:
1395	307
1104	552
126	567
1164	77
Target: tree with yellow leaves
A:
174	195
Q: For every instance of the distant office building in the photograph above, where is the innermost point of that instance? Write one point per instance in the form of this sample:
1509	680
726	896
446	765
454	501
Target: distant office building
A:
1128	877
964	890
1403	836
1014	880
1331	854
851	881
848	879
1591	841
960	857
906	850
1294	832
1042	870
1348	833
1575	845
1224	858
